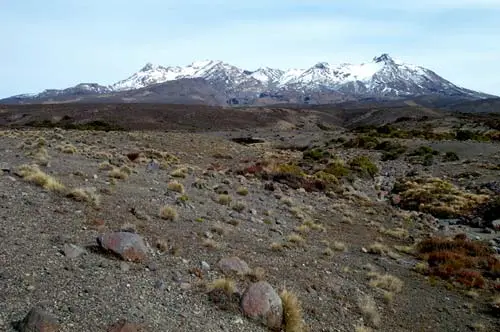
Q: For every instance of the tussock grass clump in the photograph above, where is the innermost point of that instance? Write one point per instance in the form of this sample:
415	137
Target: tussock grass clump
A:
105	166
339	246
225	284
296	239
169	213
224	294
239	206
378	248
275	246
88	195
386	282
175	186
243	191
33	174
118	173
437	197
459	259
224	199
292	312
180	172
67	148
369	310
211	244
362	328
398	233
42	156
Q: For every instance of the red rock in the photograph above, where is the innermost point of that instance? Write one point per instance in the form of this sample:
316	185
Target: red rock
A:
233	265
38	320
129	246
261	303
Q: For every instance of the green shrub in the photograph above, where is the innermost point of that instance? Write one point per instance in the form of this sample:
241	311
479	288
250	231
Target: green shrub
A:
450	156
337	169
362	142
315	154
364	166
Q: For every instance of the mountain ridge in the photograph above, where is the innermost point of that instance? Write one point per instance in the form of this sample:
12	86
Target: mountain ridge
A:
383	76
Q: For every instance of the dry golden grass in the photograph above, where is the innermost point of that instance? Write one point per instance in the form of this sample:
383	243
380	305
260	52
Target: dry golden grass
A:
224	199
169	213
257	274
386	282
126	169
180	172
225	284
33	174
117	173
67	148
175	186
42	157
339	246
238	206
296	239
88	195
314	226
378	248
362	328
211	244
327	252
275	246
105	166
292	312
421	267
369	310
242	191
398	233
161	245
287	201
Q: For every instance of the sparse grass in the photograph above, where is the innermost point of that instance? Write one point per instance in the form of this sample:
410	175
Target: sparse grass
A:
243	191
292	312
239	206
88	195
169	213
162	245
472	294
117	173
398	233
327	252
388	297
369	310
257	274
405	249
386	282
362	328
176	186
33	174
286	201
42	156
224	199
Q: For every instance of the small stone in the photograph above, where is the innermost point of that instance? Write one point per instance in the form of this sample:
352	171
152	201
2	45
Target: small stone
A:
185	286
205	266
38	320
152	266
123	326
160	284
233	265
495	224
261	303
128	246
124	267
253	211
72	251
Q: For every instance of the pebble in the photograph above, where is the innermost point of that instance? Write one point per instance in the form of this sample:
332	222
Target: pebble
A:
73	251
205	266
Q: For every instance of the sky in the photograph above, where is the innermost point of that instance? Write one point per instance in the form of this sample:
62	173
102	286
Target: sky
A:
60	43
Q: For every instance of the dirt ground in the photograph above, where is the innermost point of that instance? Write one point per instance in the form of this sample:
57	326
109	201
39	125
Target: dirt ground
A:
328	267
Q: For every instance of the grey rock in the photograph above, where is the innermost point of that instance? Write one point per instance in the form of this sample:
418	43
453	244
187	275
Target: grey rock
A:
233	265
496	224
205	266
73	251
38	320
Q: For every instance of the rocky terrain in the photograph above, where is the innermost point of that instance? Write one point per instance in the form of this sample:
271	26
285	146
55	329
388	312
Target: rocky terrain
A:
185	218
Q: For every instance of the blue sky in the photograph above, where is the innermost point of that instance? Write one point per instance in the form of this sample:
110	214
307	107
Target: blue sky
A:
59	43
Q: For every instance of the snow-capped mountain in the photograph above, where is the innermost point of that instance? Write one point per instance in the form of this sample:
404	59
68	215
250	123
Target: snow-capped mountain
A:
383	77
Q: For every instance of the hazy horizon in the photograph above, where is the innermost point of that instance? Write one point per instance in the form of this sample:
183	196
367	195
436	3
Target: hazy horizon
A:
60	43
